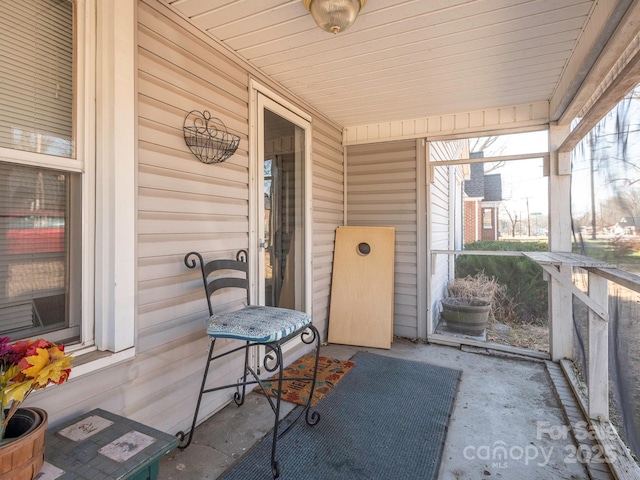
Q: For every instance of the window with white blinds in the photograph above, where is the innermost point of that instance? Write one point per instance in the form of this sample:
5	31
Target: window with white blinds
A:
34	249
36	78
39	244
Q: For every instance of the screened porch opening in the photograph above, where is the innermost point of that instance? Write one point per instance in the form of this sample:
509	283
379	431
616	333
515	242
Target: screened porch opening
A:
578	307
490	196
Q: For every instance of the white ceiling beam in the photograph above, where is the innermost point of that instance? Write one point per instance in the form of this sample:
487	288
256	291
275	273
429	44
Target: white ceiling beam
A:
481	121
611	28
628	78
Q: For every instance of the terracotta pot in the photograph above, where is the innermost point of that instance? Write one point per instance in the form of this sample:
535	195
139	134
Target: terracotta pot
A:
22	458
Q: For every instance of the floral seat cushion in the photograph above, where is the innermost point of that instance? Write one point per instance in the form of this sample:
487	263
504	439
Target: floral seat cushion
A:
257	323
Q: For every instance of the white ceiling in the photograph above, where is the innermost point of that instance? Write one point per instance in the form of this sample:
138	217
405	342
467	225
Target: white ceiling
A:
404	59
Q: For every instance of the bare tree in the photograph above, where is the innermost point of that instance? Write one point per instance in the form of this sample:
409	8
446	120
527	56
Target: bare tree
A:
607	154
610	212
481	144
513	220
628	201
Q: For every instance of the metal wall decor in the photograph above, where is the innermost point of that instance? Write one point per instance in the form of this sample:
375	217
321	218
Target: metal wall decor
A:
207	137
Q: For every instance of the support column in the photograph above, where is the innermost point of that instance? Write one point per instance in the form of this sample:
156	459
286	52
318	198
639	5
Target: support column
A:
561	316
116	174
598	361
560	298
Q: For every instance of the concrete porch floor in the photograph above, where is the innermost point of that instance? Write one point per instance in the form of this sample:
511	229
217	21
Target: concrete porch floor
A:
502	401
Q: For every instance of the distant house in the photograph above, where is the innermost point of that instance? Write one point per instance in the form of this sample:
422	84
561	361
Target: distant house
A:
482	197
627	226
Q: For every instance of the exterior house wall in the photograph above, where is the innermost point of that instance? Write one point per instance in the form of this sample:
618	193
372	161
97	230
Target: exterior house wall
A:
442	200
472	216
328	213
185	205
474	229
382	191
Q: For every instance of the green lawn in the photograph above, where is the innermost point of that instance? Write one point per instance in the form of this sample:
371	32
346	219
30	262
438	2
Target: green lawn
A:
624	253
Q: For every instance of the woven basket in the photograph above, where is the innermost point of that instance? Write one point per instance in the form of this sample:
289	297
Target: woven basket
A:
22	458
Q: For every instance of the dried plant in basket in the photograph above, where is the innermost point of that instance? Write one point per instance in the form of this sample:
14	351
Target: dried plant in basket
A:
486	288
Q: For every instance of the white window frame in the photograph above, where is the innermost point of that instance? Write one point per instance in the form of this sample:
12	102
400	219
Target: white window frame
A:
116	167
78	164
487	212
105	116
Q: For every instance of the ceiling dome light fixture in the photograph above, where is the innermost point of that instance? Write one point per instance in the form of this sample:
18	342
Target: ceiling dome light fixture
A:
334	16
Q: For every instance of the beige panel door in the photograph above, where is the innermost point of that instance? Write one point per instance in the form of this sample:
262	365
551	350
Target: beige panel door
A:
362	291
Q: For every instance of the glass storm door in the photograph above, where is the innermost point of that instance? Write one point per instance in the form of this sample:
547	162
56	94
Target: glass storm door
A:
283	237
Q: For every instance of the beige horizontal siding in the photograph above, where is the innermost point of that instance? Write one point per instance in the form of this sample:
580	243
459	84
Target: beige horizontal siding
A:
439	205
186	205
328	213
381	191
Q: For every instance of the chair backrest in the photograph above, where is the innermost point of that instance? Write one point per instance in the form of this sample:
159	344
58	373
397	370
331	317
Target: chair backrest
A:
212	277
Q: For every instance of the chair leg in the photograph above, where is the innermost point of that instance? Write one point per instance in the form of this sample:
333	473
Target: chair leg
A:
239	397
275	469
181	435
311	416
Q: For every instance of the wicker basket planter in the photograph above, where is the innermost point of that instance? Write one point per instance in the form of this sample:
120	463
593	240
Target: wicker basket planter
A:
466	315
23	456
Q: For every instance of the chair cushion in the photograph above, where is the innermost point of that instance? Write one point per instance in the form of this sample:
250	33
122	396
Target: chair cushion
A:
257	324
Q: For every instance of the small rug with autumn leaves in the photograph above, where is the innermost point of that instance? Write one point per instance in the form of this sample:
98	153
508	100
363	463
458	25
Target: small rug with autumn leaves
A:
330	371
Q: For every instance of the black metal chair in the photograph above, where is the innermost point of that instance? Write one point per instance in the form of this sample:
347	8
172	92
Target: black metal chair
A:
253	325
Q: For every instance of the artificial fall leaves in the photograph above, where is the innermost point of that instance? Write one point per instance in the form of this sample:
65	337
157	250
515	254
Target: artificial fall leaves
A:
39	363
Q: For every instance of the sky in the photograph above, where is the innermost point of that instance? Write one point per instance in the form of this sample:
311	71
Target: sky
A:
522	179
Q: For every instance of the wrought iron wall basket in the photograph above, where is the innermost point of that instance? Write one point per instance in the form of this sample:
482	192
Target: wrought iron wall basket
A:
207	137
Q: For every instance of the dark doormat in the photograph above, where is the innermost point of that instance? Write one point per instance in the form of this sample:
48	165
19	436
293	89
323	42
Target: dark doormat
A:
387	419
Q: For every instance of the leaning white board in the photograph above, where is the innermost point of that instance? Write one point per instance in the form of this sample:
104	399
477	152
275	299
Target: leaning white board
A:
362	296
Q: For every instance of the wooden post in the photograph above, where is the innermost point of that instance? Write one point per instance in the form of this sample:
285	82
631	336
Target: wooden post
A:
598	361
561	316
559	192
560	298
